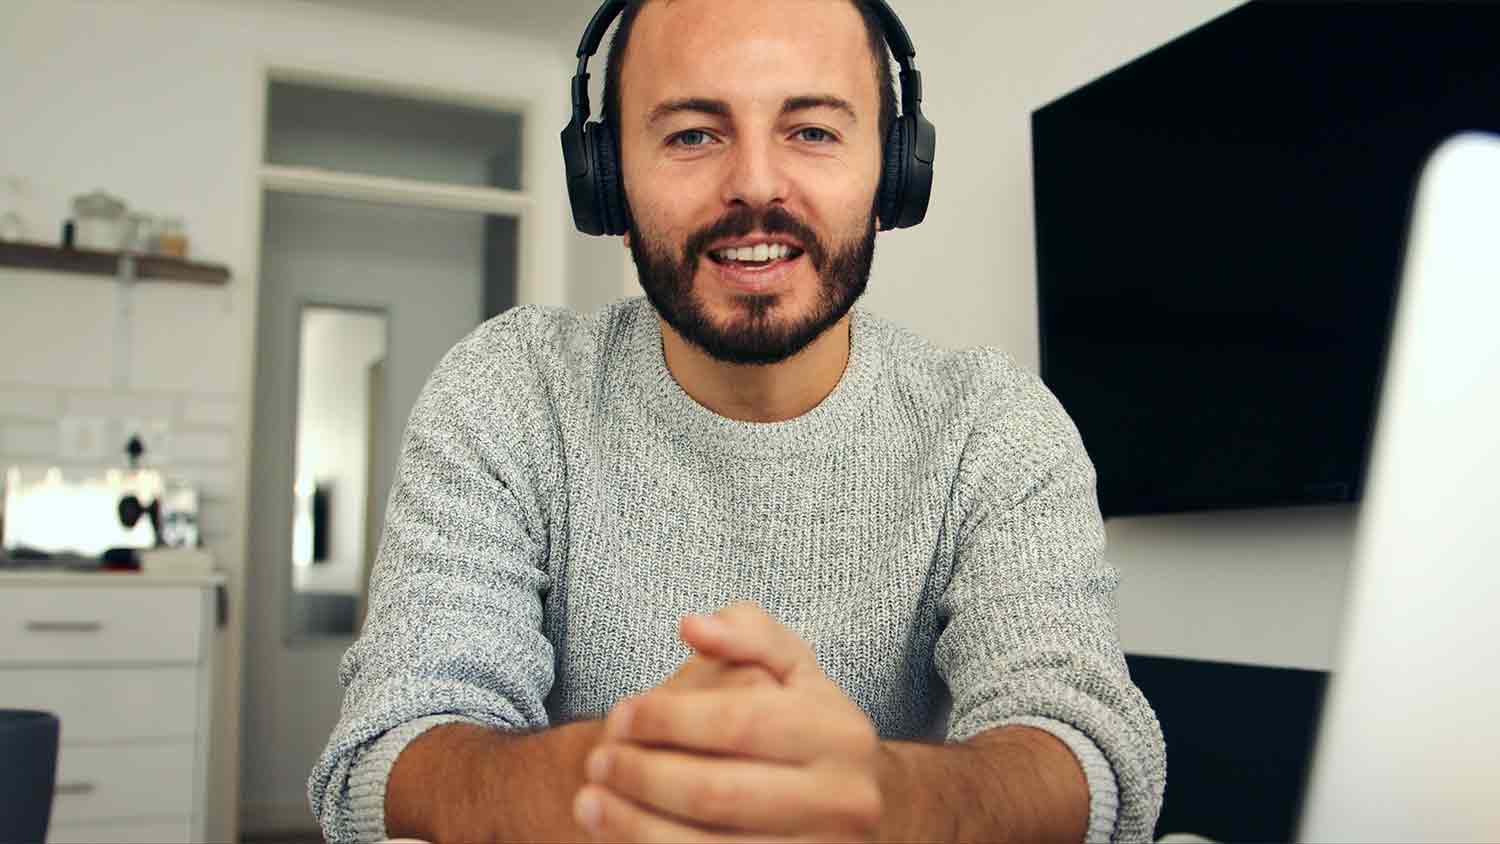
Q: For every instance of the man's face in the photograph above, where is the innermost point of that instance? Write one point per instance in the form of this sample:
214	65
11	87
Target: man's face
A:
750	125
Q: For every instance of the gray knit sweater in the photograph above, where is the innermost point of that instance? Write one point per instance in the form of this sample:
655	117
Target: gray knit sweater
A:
930	529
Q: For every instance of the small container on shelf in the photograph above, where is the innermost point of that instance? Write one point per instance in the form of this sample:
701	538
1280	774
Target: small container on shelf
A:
143	235
100	221
172	240
12	214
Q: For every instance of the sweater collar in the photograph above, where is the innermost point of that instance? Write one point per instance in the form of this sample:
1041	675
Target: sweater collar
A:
822	429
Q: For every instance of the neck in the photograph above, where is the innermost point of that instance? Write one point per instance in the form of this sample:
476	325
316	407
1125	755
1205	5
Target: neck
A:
748	393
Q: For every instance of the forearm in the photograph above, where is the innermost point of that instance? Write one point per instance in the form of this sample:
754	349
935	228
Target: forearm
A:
1007	784
464	782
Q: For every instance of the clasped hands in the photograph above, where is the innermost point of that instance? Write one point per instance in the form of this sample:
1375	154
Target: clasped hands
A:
748	740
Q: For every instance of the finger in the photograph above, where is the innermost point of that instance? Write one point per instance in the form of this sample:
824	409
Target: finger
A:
703	672
744	632
746	676
620	819
762	722
728	793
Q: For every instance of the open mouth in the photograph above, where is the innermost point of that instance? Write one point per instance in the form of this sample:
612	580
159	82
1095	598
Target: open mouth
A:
754	257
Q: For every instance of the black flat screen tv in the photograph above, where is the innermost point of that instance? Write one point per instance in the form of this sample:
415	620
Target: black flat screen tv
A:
1220	227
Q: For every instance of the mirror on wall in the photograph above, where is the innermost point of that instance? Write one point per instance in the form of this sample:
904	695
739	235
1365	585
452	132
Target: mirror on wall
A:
335	515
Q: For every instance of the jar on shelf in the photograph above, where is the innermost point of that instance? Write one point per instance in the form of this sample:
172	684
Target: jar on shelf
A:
99	222
172	240
143	234
12	216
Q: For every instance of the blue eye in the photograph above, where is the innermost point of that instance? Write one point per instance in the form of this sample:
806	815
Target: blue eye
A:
691	138
814	134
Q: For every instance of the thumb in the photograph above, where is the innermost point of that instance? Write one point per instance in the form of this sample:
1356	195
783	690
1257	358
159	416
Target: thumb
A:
746	633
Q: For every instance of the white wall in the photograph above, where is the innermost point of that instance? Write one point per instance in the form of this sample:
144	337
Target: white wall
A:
161	102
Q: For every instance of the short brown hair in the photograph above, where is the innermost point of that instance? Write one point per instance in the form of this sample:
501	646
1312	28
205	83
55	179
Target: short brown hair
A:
873	31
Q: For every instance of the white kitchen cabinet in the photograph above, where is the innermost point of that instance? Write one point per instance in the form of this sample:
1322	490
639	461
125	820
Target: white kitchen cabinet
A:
125	662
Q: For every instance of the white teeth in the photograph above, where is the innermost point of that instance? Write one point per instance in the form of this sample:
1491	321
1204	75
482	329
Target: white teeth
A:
760	252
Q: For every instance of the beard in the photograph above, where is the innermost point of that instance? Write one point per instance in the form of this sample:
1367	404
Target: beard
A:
751	336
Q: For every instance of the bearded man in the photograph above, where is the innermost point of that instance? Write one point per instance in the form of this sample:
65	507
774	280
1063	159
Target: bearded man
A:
740	560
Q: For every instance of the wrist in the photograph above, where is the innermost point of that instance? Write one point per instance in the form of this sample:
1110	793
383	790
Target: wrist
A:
900	793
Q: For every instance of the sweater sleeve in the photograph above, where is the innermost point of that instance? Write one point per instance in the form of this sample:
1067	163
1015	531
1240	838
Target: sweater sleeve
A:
454	626
1028	616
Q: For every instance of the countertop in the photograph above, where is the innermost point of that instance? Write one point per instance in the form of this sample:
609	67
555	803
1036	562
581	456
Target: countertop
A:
48	577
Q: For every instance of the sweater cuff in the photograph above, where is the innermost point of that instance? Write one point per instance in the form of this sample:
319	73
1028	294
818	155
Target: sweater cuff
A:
372	770
1104	792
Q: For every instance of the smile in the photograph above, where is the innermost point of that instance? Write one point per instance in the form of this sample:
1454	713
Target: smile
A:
756	255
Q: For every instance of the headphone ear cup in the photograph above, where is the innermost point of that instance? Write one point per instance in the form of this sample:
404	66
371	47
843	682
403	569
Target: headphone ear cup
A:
891	195
609	195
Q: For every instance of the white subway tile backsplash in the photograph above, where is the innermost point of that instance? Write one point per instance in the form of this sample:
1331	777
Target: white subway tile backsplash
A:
200	447
28	403
209	412
33	440
185	340
213	520
214	485
56	329
155	434
118	405
86	438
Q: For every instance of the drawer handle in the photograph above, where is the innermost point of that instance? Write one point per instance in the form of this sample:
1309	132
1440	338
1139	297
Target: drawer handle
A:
63	626
74	788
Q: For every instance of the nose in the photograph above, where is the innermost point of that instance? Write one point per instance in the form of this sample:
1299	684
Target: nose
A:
755	177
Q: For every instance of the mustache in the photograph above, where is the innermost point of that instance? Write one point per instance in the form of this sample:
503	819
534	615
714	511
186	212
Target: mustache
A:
771	219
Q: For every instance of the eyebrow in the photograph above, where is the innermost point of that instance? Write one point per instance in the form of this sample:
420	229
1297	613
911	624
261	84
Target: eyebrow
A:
806	103
700	105
720	108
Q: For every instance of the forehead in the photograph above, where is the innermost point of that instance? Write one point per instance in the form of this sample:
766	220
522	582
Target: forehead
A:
747	52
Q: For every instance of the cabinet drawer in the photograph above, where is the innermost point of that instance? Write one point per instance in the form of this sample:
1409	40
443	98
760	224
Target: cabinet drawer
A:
108	704
173	831
105	782
70	625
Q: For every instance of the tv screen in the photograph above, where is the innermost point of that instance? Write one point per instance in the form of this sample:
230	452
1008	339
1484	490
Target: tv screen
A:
1220	228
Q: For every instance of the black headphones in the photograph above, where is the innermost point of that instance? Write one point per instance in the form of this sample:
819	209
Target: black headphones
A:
590	150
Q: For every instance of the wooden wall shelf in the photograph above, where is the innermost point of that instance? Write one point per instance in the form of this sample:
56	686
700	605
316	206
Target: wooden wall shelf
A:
40	256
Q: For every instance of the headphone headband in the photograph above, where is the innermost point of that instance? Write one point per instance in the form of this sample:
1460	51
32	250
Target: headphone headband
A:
591	159
896	38
593	34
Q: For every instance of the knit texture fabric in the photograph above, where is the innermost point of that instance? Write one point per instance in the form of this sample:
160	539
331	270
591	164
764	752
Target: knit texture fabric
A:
930	529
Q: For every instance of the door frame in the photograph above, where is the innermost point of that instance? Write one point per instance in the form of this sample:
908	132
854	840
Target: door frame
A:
540	241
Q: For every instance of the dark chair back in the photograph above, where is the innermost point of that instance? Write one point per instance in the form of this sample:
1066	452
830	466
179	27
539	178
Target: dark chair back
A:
28	771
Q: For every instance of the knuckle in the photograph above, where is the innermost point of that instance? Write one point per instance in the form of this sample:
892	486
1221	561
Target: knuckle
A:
748	676
690	673
715	798
623	773
645	716
741	728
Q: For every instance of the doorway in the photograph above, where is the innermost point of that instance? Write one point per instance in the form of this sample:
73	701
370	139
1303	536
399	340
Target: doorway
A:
396	223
